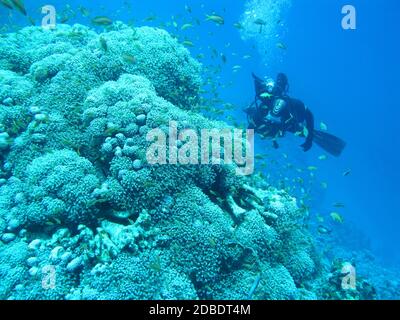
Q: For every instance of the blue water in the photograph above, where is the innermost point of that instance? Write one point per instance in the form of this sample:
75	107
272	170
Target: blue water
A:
348	78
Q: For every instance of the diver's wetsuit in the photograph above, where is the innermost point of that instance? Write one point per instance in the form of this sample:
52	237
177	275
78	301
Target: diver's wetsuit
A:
271	115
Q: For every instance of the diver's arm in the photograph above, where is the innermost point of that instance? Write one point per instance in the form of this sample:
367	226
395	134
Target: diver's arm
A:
309	118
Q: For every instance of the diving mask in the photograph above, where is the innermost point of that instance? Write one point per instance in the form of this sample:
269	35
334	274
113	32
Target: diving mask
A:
270	85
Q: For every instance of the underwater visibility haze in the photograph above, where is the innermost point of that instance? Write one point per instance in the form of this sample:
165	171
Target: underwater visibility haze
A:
184	150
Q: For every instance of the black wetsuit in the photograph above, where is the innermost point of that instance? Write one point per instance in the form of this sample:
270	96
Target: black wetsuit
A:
291	115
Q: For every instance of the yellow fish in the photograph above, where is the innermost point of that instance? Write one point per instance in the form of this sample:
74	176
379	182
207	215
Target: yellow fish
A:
188	43
281	45
323	126
85	12
186	26
346	173
20	6
337	217
188	9
265	95
215	18
32	21
260	22
102	21
7	4
305	132
151	18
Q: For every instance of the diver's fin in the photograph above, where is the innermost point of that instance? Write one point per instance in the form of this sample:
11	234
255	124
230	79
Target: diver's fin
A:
329	142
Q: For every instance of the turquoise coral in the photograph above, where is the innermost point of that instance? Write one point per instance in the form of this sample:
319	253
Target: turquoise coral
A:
76	191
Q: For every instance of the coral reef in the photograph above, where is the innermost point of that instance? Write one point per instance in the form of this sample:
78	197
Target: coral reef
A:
82	213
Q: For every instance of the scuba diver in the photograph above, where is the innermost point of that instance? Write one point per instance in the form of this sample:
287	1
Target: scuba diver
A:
273	113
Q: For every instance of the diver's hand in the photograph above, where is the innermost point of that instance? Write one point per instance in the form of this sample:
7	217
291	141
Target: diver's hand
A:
306	146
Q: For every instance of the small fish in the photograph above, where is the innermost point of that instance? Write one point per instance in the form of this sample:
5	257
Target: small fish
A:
322	157
188	43
174	24
305	132
32	21
324	185
265	95
312	168
186	26
128	58
215	18
102	21
323	126
281	45
337	217
223	57
188	9
347	173
254	287
236	68
20	6
320	218
7	4
338	205
324	230
214	193
85	12
260	22
238	25
64	19
103	43
151	18
247	56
